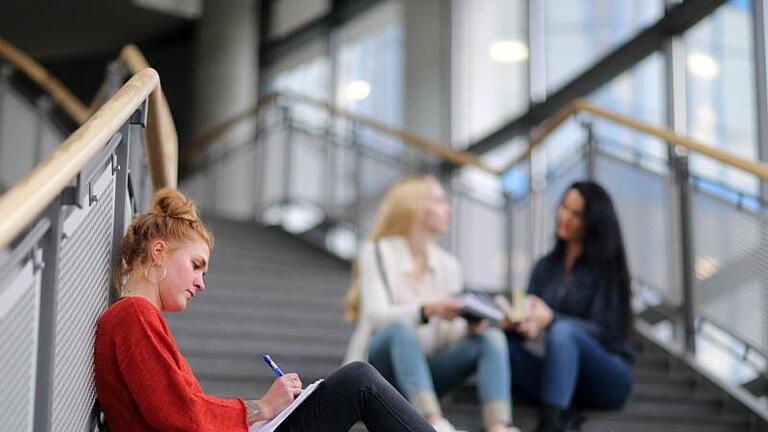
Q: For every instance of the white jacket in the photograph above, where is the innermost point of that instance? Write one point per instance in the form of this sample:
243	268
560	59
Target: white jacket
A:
376	309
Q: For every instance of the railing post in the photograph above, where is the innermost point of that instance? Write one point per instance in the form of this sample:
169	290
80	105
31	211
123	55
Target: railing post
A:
5	74
590	148
510	232
287	161
358	181
688	310
49	288
121	168
43	106
329	153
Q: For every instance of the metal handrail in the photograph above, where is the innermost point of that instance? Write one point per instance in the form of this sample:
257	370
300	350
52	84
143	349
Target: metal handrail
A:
668	137
30	196
445	153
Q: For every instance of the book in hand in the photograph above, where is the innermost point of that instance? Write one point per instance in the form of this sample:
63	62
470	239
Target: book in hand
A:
478	306
515	312
271	425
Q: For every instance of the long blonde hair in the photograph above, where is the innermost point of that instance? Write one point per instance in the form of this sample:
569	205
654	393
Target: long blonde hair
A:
398	214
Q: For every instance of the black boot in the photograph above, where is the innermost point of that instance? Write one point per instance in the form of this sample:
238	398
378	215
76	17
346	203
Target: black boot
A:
551	419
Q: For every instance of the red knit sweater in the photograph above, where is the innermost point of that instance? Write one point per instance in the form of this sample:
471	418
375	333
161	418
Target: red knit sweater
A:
145	384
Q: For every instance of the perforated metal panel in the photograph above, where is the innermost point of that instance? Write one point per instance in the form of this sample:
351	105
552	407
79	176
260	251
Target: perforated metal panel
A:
522	258
642	200
84	283
482	246
19	302
730	262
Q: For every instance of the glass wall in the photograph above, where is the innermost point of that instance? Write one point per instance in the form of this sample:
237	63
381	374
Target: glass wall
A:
369	61
721	90
490	71
579	32
640	95
305	73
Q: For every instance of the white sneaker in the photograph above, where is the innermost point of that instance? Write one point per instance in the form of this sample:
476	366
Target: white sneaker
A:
443	425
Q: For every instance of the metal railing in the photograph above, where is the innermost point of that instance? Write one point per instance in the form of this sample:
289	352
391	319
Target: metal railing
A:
322	172
59	236
52	99
696	255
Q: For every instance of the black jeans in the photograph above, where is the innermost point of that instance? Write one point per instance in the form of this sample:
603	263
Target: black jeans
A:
355	392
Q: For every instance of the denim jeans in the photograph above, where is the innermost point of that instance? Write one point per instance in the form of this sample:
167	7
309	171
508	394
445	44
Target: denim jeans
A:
355	392
576	370
396	352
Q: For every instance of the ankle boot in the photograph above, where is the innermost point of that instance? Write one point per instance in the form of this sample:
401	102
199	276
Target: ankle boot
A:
551	419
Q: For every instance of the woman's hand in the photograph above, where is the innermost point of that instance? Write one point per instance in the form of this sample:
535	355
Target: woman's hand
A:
280	394
446	309
539	317
477	327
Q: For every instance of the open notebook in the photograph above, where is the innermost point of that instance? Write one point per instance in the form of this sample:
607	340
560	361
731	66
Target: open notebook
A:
270	426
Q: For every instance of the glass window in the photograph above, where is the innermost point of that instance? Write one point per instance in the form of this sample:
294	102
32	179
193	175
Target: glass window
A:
579	32
639	95
306	73
490	66
721	91
370	65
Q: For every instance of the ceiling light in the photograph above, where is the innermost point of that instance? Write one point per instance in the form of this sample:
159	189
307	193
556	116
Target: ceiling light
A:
702	65
357	90
508	51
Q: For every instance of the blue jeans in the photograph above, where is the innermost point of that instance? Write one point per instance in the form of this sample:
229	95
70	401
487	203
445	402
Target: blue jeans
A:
396	352
355	392
576	370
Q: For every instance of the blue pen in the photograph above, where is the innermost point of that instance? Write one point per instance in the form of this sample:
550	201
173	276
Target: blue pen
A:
275	368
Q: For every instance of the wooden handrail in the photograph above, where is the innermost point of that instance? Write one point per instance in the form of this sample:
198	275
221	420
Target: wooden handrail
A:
30	196
37	73
162	139
445	153
670	138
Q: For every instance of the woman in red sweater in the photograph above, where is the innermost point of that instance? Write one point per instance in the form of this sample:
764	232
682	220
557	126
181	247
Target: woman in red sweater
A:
145	384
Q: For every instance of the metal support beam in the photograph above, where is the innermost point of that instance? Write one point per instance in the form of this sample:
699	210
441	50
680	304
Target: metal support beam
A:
122	154
675	80
46	342
760	44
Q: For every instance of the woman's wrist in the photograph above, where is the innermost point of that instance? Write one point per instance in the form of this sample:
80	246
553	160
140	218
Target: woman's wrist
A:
257	411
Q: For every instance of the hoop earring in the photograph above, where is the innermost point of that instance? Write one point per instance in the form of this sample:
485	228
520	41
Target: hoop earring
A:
146	275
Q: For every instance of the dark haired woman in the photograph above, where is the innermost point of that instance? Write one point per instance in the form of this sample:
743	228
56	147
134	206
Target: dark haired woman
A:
579	297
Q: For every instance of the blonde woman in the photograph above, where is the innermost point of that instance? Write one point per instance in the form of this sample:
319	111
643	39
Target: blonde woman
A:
409	327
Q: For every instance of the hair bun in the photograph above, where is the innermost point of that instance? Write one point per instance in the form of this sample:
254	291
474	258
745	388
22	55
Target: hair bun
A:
172	203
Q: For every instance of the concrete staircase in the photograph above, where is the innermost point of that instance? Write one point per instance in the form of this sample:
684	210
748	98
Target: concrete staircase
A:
269	292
